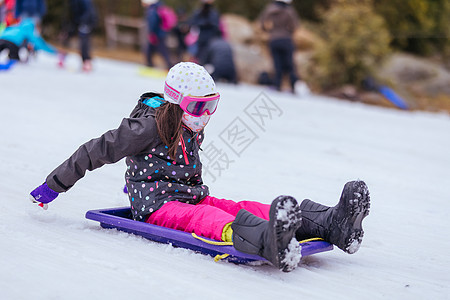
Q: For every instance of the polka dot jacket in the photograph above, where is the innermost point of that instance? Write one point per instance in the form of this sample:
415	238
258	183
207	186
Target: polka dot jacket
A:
152	177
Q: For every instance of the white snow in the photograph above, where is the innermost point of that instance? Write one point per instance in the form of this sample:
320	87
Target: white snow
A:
308	148
354	246
286	213
293	255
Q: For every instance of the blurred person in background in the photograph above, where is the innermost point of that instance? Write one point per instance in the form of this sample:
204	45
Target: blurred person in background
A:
206	23
160	20
181	30
22	39
80	20
280	20
33	9
8	10
2	13
219	60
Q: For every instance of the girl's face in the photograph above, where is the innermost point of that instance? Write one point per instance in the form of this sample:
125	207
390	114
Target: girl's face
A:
196	124
198	110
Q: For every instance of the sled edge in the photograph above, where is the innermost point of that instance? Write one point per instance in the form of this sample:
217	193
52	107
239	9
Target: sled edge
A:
120	219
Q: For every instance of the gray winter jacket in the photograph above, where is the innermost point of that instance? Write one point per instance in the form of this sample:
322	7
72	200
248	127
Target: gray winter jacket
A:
152	178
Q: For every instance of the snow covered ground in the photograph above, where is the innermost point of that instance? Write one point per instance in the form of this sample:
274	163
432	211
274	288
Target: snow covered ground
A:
306	146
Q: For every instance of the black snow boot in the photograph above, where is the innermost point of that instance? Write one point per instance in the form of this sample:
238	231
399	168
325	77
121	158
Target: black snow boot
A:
274	239
340	225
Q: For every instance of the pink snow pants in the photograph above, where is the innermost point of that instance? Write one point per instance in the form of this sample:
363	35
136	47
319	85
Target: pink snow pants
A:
207	218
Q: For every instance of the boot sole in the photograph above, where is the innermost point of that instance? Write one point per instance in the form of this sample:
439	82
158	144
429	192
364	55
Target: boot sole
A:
287	219
358	207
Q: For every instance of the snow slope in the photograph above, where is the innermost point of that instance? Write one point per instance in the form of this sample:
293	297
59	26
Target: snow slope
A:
307	147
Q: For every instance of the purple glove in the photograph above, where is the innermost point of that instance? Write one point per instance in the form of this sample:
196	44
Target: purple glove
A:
43	195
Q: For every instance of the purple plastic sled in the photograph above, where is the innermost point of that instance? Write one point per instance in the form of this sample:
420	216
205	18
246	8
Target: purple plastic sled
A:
120	219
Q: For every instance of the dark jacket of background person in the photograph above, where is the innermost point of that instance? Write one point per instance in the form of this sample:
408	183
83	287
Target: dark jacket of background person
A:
81	20
181	30
207	21
153	20
82	13
280	20
156	35
220	56
31	8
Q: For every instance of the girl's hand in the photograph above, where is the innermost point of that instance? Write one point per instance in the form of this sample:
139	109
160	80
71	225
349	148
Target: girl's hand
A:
43	195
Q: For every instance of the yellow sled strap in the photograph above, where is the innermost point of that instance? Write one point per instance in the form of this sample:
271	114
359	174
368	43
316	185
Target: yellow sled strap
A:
225	255
217	243
310	240
217	257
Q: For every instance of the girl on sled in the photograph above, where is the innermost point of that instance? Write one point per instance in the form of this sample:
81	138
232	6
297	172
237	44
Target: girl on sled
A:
161	141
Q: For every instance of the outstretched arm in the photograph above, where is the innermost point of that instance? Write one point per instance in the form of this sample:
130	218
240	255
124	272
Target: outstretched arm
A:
133	136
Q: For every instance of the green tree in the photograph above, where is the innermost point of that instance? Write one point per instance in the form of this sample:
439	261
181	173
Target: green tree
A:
355	40
310	10
417	26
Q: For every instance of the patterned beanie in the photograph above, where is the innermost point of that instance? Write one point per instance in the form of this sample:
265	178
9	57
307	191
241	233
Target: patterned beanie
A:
190	79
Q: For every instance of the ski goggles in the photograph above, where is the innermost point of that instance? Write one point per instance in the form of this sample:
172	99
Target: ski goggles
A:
193	105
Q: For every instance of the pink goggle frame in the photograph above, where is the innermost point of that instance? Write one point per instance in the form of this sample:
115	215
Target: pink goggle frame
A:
194	106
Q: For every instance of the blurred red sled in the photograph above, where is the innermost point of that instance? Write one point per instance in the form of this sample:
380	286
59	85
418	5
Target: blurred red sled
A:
120	219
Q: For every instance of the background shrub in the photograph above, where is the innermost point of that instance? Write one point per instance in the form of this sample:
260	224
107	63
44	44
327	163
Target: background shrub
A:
355	40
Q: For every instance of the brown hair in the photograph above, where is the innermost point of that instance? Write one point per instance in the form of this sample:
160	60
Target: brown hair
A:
168	122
